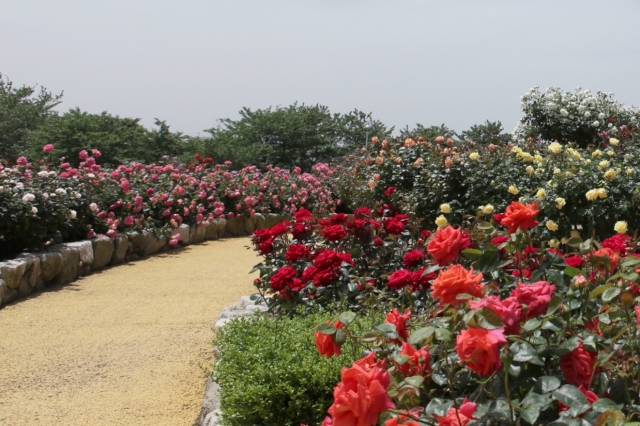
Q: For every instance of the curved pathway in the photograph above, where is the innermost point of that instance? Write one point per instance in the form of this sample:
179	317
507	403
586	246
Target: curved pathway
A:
130	345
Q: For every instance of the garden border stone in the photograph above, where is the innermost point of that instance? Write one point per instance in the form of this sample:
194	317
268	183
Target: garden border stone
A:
60	264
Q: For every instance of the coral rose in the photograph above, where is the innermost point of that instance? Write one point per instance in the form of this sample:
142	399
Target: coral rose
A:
454	281
577	366
460	418
609	256
535	296
520	216
404	418
361	395
400	321
418	362
508	310
447	244
479	348
325	344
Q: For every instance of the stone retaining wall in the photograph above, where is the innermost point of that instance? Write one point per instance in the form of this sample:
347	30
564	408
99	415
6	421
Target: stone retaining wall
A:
63	263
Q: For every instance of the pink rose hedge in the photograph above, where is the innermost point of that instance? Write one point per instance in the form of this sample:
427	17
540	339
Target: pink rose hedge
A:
42	203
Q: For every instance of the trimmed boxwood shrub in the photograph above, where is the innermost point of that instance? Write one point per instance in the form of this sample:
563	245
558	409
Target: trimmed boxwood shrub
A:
270	372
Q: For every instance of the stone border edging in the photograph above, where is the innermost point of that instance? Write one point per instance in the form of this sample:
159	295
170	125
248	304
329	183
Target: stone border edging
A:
63	263
210	411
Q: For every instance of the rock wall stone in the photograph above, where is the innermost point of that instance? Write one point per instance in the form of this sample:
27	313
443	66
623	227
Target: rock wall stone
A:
102	252
235	227
120	248
197	234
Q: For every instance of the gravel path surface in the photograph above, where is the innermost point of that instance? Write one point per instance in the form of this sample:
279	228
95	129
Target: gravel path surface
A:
126	346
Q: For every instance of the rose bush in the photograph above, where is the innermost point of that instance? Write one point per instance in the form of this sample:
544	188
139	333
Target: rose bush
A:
41	203
534	341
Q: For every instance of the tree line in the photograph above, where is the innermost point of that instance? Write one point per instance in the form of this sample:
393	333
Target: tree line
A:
295	135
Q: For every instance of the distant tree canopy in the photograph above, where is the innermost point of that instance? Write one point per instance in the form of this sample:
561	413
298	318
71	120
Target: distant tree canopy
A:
297	135
21	112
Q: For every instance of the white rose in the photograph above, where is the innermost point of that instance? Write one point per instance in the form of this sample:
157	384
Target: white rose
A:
564	112
595	124
587	114
93	207
28	198
34	210
43	174
78	195
73	214
45	196
61	191
601	116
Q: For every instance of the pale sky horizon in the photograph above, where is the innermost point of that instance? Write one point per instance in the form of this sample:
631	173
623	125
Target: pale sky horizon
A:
430	62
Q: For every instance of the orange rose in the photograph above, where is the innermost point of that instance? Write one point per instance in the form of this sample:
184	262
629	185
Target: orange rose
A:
458	417
447	244
456	280
480	349
325	344
607	255
400	321
418	362
520	216
361	395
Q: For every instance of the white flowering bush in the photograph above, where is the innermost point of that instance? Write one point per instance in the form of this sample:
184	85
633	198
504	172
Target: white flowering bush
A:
581	117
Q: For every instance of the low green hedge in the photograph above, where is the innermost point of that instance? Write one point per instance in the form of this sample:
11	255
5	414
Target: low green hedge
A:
270	372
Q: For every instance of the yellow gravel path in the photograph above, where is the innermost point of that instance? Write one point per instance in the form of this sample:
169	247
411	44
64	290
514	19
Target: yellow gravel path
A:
125	346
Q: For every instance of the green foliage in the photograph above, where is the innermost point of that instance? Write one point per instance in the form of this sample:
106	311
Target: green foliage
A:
298	135
427	133
21	112
270	372
491	132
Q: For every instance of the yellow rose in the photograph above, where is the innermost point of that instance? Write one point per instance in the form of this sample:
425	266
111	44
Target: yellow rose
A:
591	195
552	226
516	150
557	171
564	240
513	190
555	148
554	243
474	156
629	171
493	182
620	227
445	208
614	141
488	209
596	153
541	193
526	157
603	164
610	153
530	170
560	202
610	174
575	233
538	158
441	221
601	192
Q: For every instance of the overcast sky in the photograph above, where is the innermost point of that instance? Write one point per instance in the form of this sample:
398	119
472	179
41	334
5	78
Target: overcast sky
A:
193	62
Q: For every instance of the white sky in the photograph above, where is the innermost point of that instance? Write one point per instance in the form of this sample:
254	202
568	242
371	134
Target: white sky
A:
192	62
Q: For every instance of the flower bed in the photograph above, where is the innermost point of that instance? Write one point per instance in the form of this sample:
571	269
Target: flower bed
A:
42	204
493	323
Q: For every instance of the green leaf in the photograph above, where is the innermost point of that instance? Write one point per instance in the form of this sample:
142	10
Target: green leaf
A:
555	277
571	272
471	253
438	407
443	334
326	328
340	337
633	276
554	324
532	324
524	352
415	381
573	398
630	262
574	242
599	290
554	304
486	318
420	335
347	317
610	294
604	404
548	383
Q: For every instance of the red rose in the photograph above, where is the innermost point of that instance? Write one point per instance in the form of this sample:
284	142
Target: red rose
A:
508	310
460	417
400	279
361	395
400	321
283	277
591	398
617	243
389	191
325	344
362	213
574	261
454	281
413	258
279	229
418	362
377	242
334	232
498	218
265	247
393	226
303	215
296	252
520	216
479	348
446	245
535	296
577	366
339	218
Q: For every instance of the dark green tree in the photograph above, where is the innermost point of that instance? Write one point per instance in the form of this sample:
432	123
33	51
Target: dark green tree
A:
428	133
21	112
118	139
491	132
